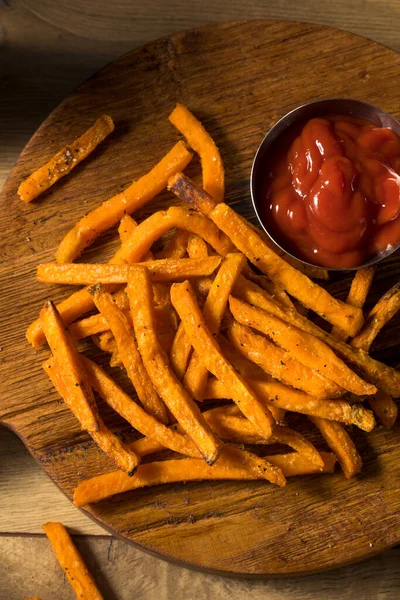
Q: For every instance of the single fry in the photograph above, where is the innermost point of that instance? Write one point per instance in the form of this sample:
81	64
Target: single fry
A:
341	445
65	160
176	247
311	295
384	408
126	227
129	354
196	247
132	198
357	296
383	377
80	393
180	352
202	143
159	368
87	327
280	364
72	562
304	347
383	311
203	342
160	270
275	290
281	396
196	376
106	440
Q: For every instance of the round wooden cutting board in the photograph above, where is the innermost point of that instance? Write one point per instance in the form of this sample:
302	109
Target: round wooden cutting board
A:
238	78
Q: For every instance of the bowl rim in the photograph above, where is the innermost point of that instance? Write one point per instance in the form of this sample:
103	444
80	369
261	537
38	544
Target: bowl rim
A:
268	137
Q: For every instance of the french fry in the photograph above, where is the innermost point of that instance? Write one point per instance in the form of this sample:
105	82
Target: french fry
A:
202	143
304	347
196	247
87	327
287	398
168	269
159	369
357	296
275	290
65	160
80	392
341	445
106	440
132	198
203	342
126	227
383	311
196	376
72	562
383	377
169	471
176	247
129	354
384	408
311	295
280	364
180	352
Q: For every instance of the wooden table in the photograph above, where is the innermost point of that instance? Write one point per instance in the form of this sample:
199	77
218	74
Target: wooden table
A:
46	49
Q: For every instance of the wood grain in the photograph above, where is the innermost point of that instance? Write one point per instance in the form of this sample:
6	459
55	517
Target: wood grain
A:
227	527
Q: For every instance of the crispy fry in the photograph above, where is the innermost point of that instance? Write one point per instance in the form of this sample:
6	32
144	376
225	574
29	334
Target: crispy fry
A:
280	364
341	445
304	347
274	289
103	486
358	293
72	562
79	390
180	352
176	247
204	145
373	371
65	160
196	376
289	399
384	408
196	247
383	311
87	327
126	227
311	295
132	198
203	342
129	354
107	441
160	270
159	369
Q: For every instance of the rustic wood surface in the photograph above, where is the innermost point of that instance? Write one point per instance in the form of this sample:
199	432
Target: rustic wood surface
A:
34	95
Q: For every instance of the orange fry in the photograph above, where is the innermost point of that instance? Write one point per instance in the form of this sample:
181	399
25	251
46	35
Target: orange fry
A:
280	364
72	562
196	247
159	369
132	198
180	352
126	227
65	160
383	311
304	347
160	270
311	295
357	296
384	408
341	445
204	145
176	246
79	390
203	342
287	398
196	376
129	354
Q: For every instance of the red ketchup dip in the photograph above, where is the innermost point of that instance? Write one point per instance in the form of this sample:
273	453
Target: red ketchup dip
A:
330	194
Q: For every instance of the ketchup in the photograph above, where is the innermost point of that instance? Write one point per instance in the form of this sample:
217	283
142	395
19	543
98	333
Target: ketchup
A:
332	192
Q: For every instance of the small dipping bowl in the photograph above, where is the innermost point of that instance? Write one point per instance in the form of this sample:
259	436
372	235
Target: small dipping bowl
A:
319	108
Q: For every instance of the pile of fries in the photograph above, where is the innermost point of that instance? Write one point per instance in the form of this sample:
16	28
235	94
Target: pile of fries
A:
216	314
